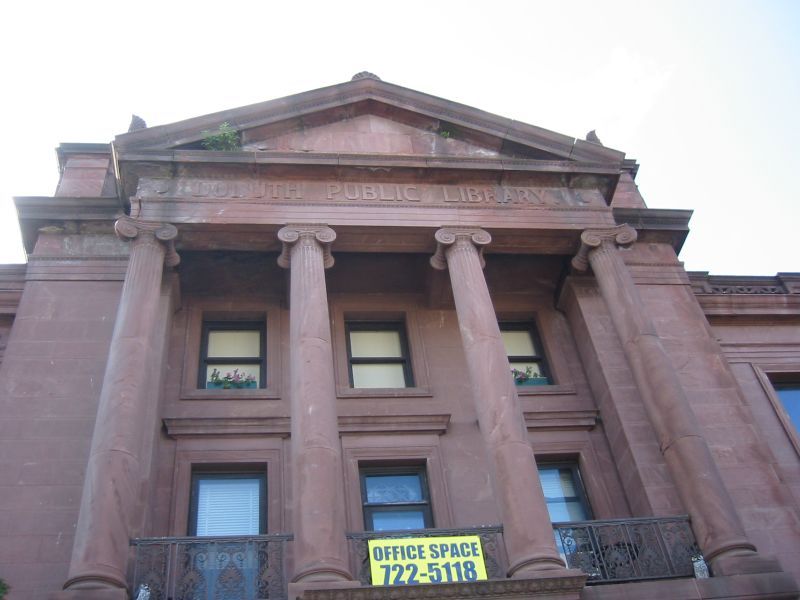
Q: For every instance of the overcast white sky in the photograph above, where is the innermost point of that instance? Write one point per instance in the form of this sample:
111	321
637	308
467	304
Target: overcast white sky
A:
704	94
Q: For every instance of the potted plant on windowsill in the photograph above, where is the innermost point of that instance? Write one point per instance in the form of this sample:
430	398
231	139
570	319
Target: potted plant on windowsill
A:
527	377
234	380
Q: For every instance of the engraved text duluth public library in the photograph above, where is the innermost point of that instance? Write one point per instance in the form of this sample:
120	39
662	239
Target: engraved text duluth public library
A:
337	191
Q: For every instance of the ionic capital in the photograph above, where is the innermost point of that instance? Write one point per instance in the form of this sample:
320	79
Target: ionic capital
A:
316	233
128	228
621	235
454	236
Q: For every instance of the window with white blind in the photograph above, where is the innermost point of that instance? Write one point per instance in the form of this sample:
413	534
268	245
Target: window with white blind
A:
228	504
378	355
563	492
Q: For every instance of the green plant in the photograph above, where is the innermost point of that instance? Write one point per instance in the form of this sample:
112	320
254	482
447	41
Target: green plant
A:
522	376
232	380
445	133
3	589
226	138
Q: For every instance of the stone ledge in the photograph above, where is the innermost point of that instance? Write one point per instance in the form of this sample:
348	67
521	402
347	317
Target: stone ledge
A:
775	586
560	585
561	420
223	426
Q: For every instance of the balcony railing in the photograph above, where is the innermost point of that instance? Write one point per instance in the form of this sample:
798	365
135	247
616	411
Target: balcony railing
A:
631	549
607	551
252	568
205	568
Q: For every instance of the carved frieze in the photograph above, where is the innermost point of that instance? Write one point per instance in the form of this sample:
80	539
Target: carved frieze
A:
346	192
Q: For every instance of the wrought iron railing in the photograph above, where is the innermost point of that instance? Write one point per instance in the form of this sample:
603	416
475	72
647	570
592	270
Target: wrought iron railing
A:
631	549
490	541
205	568
252	568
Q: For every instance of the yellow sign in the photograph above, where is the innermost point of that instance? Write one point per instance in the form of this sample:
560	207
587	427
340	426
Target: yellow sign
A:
411	561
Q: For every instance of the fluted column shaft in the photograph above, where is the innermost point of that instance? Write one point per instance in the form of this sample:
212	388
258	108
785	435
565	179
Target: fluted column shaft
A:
688	457
320	546
111	500
527	532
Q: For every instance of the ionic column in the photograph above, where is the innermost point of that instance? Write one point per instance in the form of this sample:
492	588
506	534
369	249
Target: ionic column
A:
320	546
715	522
527	533
111	501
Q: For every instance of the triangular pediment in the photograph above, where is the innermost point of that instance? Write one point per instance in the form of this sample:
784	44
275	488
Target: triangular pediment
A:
368	116
372	134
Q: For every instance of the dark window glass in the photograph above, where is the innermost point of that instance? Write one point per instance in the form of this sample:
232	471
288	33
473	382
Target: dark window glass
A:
789	394
228	504
395	498
525	354
378	355
233	355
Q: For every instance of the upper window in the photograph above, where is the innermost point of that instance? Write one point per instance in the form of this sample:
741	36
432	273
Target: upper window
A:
789	394
563	492
395	498
524	350
233	355
378	355
228	504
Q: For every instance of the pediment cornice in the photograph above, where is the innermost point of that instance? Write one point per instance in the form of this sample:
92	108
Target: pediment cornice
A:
368	90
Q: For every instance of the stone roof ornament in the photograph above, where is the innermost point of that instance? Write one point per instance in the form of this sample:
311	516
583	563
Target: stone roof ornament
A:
137	123
365	75
592	137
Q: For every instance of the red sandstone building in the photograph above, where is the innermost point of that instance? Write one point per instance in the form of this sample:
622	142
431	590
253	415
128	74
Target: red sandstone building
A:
225	371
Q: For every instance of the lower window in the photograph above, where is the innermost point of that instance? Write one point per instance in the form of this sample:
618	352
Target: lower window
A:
228	504
395	498
566	501
563	492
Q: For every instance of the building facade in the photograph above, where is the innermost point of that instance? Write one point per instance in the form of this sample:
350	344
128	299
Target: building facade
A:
379	316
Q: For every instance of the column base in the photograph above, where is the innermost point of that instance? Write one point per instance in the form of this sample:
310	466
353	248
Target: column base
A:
533	566
745	563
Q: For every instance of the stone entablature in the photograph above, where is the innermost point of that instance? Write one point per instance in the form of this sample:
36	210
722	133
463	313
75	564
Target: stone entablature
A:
339	191
782	283
763	298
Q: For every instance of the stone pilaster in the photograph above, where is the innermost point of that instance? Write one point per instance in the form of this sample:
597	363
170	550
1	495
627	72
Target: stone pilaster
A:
527	532
714	519
320	546
110	505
